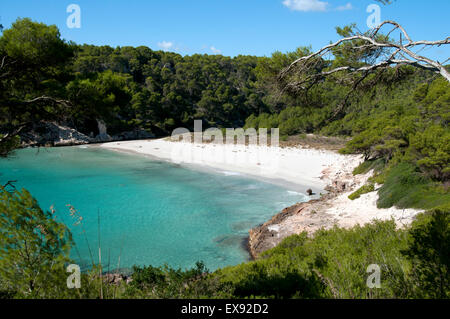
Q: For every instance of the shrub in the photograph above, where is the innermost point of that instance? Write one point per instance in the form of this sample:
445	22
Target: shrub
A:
406	187
433	147
429	251
167	282
377	165
362	190
332	264
34	247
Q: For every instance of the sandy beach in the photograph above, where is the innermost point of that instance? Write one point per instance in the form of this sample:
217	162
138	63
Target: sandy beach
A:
298	168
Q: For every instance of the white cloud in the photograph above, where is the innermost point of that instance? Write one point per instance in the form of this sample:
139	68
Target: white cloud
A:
165	45
306	5
348	6
214	50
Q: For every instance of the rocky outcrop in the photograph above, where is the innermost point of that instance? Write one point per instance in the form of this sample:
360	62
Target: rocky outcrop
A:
307	216
123	136
102	133
267	235
53	134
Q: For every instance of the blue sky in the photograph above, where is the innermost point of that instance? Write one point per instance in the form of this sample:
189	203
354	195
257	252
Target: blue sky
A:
229	27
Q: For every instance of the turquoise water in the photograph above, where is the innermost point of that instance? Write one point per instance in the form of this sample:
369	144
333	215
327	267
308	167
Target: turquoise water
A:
151	212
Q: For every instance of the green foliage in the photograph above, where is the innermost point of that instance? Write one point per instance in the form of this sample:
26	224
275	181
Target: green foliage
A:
34	64
332	264
164	90
166	282
377	165
101	97
362	190
346	55
408	146
34	247
433	151
405	186
382	139
429	250
8	145
127	88
33	44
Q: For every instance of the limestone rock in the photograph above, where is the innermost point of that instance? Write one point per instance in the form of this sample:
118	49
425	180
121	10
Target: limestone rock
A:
53	134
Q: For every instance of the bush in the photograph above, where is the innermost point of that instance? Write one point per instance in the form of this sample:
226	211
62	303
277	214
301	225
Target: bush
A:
362	190
377	165
429	251
406	187
433	148
34	247
167	282
332	264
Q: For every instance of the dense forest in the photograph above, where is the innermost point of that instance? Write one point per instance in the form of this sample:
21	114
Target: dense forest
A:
398	118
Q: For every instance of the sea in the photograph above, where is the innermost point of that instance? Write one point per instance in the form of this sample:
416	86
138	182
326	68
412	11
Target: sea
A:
142	211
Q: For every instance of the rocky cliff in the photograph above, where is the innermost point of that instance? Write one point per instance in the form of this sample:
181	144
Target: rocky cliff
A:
54	134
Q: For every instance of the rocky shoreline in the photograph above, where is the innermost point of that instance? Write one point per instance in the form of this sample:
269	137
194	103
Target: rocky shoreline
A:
332	209
305	216
54	134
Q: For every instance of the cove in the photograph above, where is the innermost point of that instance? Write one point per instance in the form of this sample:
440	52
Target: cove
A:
151	212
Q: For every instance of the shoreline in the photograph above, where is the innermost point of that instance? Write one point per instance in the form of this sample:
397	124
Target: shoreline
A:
297	168
332	209
297	186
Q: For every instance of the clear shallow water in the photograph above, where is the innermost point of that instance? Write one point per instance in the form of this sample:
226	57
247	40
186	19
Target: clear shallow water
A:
153	212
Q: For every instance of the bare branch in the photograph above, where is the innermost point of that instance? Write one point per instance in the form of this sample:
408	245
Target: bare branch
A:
13	132
403	54
49	99
3	62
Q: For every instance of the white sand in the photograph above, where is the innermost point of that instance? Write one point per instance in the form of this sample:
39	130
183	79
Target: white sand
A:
348	213
296	167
